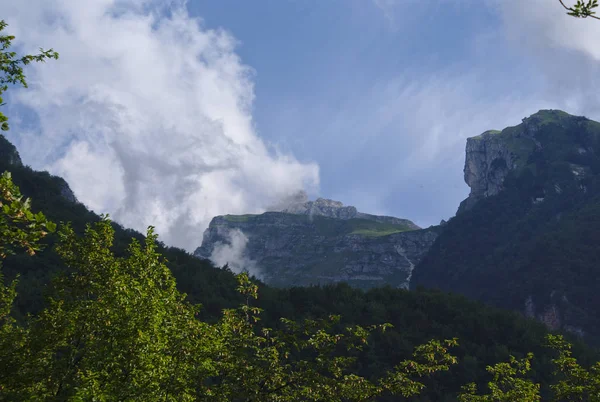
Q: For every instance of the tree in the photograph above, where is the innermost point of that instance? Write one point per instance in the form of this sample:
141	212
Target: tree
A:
575	382
308	360
20	228
11	70
582	9
508	384
117	328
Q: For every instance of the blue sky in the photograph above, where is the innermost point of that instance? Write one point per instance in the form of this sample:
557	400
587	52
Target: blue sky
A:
168	113
319	63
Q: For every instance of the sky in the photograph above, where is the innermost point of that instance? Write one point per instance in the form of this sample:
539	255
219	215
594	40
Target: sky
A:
169	112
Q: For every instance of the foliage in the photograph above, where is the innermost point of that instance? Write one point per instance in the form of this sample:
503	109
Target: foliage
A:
11	70
19	226
116	328
486	335
582	8
507	385
308	361
576	383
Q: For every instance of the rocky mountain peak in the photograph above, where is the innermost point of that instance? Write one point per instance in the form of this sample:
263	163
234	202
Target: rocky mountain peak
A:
300	205
302	242
322	207
552	135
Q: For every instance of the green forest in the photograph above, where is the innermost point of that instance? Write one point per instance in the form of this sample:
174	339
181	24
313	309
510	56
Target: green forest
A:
126	318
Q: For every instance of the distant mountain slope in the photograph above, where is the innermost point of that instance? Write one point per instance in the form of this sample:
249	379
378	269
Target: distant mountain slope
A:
319	242
528	236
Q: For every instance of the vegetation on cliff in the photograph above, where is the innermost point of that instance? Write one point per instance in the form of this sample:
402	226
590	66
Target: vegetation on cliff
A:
533	247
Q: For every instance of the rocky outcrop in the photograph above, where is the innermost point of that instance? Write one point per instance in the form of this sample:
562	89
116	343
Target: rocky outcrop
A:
556	314
295	249
335	209
487	162
490	157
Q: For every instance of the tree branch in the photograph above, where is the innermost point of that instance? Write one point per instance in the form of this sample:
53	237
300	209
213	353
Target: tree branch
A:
579	16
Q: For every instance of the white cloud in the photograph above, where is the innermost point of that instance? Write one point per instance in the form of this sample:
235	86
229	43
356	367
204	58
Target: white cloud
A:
545	25
232	254
408	133
147	117
387	7
564	50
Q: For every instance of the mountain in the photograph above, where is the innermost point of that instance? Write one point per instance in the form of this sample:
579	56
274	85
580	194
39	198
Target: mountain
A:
528	236
319	242
486	335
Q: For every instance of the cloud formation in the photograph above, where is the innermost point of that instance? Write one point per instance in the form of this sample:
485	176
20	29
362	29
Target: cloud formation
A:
232	254
146	114
564	51
402	140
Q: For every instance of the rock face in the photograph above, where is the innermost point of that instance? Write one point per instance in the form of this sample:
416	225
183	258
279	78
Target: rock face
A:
320	242
335	209
487	162
489	157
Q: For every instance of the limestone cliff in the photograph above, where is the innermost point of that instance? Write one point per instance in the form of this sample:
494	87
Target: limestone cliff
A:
490	157
320	242
487	161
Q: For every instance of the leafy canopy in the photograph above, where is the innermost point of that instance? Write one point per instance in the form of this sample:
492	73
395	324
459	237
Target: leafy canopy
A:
117	328
509	384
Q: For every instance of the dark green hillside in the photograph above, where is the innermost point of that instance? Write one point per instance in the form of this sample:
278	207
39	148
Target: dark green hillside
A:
535	243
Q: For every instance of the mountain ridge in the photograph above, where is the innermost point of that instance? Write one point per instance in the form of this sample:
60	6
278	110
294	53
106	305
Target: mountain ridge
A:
527	236
320	242
336	209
